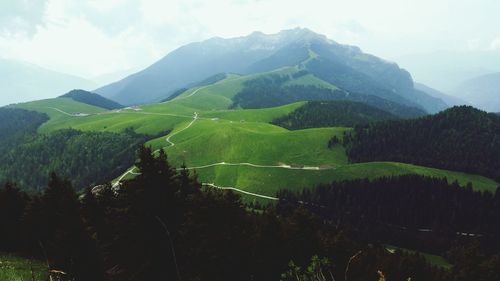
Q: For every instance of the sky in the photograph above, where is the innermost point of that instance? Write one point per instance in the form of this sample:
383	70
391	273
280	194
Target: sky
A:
90	38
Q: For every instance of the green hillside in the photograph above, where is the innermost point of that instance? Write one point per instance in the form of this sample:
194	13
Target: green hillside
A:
236	147
60	110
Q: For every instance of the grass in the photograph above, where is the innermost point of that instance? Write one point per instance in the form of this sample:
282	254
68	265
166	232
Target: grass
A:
235	136
253	142
432	259
14	268
65	104
310	80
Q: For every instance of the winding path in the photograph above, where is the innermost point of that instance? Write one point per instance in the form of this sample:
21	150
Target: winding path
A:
69	114
282	166
241	191
195	117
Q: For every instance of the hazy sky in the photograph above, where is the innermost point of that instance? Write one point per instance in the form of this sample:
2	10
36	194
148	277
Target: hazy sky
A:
94	37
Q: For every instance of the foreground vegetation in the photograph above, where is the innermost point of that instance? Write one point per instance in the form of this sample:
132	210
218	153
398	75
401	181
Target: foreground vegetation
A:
161	225
14	268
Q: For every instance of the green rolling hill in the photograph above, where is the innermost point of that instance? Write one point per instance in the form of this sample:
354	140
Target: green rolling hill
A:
236	147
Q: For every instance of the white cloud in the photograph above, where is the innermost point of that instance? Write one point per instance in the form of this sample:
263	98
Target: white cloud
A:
92	37
495	44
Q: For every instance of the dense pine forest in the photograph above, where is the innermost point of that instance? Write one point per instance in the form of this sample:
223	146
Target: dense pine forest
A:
318	114
18	124
272	90
162	225
92	99
461	139
86	157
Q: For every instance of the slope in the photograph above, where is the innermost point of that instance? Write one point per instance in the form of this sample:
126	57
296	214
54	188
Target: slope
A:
91	99
332	114
244	150
460	138
346	67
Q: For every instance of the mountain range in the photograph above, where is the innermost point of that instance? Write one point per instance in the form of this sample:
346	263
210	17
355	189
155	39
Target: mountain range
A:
343	66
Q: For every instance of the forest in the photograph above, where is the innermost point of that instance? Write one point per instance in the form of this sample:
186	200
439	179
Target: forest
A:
271	90
316	114
92	99
163	225
432	141
345	77
88	157
18	124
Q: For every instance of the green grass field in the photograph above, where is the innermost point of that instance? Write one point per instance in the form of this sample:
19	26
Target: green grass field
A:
13	268
237	136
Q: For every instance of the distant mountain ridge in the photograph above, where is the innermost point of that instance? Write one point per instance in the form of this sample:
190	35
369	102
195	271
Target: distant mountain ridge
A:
448	99
21	82
482	91
92	99
344	66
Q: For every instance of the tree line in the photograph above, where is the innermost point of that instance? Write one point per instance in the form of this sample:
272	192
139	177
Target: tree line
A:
92	99
273	90
162	225
316	114
87	158
461	139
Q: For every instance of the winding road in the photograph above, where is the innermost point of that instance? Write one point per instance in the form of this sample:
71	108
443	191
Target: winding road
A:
282	166
240	191
195	117
69	114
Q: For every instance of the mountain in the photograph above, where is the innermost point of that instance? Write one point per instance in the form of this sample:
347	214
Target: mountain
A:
346	67
448	99
277	88
22	82
482	91
92	99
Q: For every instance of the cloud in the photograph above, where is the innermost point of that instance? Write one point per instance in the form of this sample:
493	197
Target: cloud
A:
21	16
92	37
495	44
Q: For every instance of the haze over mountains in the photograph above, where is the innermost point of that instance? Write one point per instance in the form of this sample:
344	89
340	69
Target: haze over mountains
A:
482	91
346	67
24	82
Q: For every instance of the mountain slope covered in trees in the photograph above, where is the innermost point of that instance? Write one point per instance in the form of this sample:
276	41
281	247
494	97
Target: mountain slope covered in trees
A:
92	99
88	158
461	138
332	114
274	90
